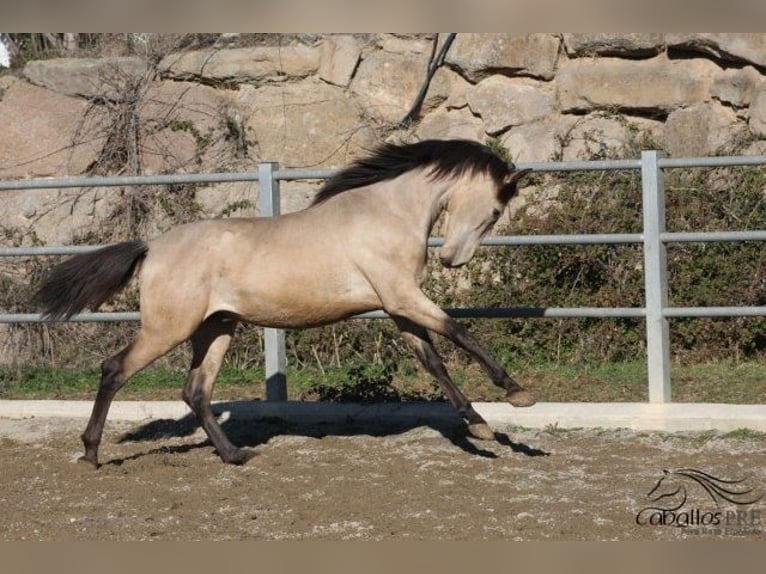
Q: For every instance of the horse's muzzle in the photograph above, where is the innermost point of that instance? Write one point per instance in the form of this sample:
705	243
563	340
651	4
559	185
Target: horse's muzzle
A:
449	261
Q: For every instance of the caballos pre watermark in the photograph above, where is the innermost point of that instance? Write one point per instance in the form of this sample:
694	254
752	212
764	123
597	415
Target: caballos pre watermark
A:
682	499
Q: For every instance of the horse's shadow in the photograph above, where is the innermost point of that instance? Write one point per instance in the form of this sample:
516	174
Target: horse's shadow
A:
246	430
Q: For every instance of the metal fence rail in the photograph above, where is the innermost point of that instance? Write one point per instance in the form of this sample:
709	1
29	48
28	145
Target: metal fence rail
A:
654	238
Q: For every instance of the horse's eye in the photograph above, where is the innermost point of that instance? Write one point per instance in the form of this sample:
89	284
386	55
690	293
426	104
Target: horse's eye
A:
495	213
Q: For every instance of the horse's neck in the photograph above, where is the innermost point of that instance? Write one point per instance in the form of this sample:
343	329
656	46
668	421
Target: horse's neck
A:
412	200
417	199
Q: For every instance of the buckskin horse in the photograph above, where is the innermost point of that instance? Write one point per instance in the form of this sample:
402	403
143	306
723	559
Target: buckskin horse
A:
360	246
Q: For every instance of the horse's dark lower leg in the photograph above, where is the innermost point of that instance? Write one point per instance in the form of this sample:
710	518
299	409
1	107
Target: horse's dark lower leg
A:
111	382
417	337
210	343
115	372
419	309
514	393
199	402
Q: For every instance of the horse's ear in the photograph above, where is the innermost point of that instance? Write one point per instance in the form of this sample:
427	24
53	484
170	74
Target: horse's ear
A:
508	189
513	177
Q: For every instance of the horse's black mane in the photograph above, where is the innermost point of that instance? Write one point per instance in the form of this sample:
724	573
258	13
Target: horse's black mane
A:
446	158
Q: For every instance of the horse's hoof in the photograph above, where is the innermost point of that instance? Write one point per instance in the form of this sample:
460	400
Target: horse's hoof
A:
481	431
520	398
87	462
239	456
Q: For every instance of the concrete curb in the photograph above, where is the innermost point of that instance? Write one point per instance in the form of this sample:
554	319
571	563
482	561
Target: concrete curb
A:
670	417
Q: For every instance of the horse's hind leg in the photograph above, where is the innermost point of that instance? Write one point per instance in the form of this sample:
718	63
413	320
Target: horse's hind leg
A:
115	372
209	344
417	337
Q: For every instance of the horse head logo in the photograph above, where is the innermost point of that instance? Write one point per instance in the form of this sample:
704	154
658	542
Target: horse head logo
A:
674	486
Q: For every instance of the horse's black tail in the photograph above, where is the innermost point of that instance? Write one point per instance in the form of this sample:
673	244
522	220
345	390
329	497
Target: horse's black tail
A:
88	280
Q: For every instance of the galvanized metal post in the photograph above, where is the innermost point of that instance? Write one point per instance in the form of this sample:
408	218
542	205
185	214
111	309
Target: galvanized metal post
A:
655	278
275	356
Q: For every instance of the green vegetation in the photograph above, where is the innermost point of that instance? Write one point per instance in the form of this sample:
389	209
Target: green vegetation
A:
187	126
701	274
745	434
742	383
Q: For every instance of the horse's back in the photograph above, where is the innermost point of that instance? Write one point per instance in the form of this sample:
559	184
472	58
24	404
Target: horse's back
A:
276	272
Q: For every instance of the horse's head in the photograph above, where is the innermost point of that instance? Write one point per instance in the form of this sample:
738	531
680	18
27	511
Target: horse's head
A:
474	204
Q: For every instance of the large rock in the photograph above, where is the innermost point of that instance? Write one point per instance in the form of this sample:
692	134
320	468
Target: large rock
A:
46	134
230	199
340	55
110	78
240	199
503	102
477	56
755	147
738	47
457	87
56	217
608	136
186	127
737	86
758	114
311	124
533	202
406	43
446	87
173	101
388	83
631	45
702	130
451	123
569	137
657	85
242	65
539	141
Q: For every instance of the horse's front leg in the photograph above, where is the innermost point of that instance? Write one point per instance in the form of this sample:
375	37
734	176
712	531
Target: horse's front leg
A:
415	306
417	337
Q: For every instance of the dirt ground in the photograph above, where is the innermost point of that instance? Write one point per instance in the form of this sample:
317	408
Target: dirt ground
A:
162	480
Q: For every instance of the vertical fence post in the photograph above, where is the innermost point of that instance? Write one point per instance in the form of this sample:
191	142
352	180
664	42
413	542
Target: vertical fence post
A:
655	278
275	357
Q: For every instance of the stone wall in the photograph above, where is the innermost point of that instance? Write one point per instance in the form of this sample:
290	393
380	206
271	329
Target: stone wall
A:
321	103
